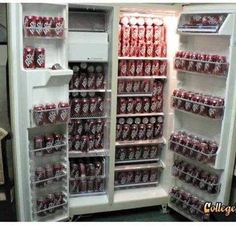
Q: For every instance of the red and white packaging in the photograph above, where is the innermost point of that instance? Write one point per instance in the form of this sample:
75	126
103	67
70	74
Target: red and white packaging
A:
128	86
145	86
133	49
39	114
91	80
93	105
130	106
84	106
58	25
138	105
157	49
39	57
146	105
38	26
83	81
142	132
51	113
142	49
99	83
136	86
139	71
159	103
153	107
147	67
131	68
122	106
28	57
125	33
47	25
155	67
30	25
118	131
133	30
149	30
63	111
141	29
123	68
125	135
163	68
121	86
163	49
125	49
158	87
149	49
159	33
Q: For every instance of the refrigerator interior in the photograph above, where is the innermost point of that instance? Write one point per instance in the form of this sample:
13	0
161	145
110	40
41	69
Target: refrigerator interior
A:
91	38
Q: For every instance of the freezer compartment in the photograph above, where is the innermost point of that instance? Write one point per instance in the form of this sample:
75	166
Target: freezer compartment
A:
138	154
137	175
203	180
188	203
88	46
202	23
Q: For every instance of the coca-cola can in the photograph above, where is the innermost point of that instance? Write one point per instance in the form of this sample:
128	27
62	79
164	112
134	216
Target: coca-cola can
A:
146	105
130	153
141	132
138	105
28	57
125	135
133	49
125	49
159	102
100	126
149	131
134	132
30	25
99	141
153	152
58	26
137	176
119	48
123	67
145	86
153	106
99	185
141	30
38	26
138	153
149	34
121	86
100	105
70	142
119	129
134	33
40	173
47	25
39	142
163	68
155	67
83	185
158	130
125	32
76	143
85	105
49	142
39	57
93	106
142	49
139	71
63	111
147	67
78	127
83	81
51	113
57	170
136	86
49	172
149	49
91	142
163	49
41	205
99	84
130	106
122	105
157	49
131	68
159	33
84	143
121	154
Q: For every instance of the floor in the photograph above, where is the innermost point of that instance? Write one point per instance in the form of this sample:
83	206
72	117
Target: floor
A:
148	214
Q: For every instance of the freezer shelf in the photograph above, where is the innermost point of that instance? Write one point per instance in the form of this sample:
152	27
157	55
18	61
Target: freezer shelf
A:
94	153
141	142
201	74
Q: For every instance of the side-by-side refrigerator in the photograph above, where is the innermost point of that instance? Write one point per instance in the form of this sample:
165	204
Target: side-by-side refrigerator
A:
117	106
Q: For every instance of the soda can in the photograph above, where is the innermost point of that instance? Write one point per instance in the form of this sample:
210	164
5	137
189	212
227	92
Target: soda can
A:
146	105
125	33
149	49
83	185
49	171
141	132
158	130
41	205
142	49
39	142
128	86
85	106
141	30
125	49
122	106
147	67
139	71
136	86
125	135
51	113
134	31
59	198
131	68
39	57
78	127
163	49
76	143
123	68
99	185
149	131
138	153
137	177
58	26
49	142
153	152
153	175
145	176
38	26
163	68
133	49
40	173
91	81
149	34
119	130
28	57
131	153
84	143
153	106
158	33
155	67
83	81
119	48
30	25
159	102
63	111
47	25
157	49
138	105
98	142
130	106
70	142
100	80
93	106
121	86
134	132
100	105
91	142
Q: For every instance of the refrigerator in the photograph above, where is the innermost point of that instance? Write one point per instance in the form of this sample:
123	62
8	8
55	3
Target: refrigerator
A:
120	106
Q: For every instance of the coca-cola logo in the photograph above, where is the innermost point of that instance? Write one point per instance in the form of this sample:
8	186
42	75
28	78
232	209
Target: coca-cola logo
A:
149	33
93	108
142	50
154	106
80	129
149	133
121	86
125	134
40	59
145	178
136	86
157	130
38	117
196	107
91	144
199	66
217	68
149	50
130	107
137	178
101	107
76	83
212	112
98	141
190	65
146	87
122	155
39	27
134	134
138	107
146	107
128	87
123	69
90	81
187	105
84	83
162	69
132	69
139	69
32	26
85	108
141	133
148	69
46	28
29	59
207	67
77	108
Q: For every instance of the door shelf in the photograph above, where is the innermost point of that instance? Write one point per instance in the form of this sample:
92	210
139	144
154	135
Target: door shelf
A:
137	161
50	147
89	90
139	166
141	142
201	74
216	187
136	185
142	77
142	58
51	31
140	115
50	208
51	179
94	153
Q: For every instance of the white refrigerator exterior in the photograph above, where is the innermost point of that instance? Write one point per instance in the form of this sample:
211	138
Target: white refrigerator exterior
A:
30	87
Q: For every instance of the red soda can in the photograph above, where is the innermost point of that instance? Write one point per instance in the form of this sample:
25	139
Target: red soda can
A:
147	67
138	105
125	135
159	103
51	113
99	141
63	111
122	106
123	68
142	49
47	25
125	49
134	132
28	57
83	81
157	49
145	86
128	86
153	107
70	142
30	25
158	130
133	49
84	106
146	105
100	126
58	140
159	33
91	81
39	57
155	67
133	30
41	205
121	86
38	26
141	30
136	86
146	151
119	130
149	49
40	173
93	106
125	32
91	142
49	142
39	142
90	126
139	68
163	68
149	131
84	143
78	127
163	49
149	34
39	114
157	89
131	67
99	84
100	105
76	107
141	131
130	106
76	143
58	25
49	171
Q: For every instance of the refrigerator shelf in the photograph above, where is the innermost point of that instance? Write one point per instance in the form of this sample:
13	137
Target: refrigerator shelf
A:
217	186
198	29
50	208
134	95
142	58
50	179
136	185
93	153
89	90
141	142
89	117
140	114
137	161
142	77
139	166
51	147
52	34
88	177
88	194
202	74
